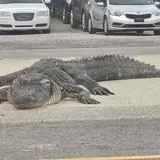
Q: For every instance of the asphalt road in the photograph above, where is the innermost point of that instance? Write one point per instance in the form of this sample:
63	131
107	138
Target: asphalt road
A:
62	136
77	52
80	139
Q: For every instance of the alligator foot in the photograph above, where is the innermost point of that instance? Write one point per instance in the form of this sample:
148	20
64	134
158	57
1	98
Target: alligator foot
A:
99	90
85	98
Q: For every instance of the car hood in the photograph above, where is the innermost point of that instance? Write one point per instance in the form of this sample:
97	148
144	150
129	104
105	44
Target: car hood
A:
22	7
134	8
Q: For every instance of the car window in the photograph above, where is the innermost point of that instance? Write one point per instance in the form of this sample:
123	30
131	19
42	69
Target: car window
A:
20	1
130	2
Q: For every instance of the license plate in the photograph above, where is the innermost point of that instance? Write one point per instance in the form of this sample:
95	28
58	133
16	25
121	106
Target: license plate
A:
139	20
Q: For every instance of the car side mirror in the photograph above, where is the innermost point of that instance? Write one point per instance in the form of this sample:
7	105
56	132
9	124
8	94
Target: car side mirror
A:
47	1
100	4
157	4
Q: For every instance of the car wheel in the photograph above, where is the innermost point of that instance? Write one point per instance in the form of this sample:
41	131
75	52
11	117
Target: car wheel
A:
139	31
52	10
84	22
65	15
73	21
105	27
156	32
91	30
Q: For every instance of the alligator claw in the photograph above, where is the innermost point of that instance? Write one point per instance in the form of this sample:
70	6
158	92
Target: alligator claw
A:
98	90
84	98
87	100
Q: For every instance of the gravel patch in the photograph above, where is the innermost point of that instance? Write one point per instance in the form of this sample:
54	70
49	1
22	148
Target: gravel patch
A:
75	40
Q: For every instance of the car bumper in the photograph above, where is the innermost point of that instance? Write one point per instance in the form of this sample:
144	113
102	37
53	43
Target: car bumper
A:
124	23
39	23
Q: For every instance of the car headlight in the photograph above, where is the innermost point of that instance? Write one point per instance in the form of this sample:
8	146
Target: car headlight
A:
43	13
4	14
116	13
156	13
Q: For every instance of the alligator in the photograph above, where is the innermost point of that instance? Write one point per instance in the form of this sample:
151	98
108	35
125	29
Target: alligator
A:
50	80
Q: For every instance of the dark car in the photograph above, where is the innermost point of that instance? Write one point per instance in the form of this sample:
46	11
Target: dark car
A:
61	7
79	14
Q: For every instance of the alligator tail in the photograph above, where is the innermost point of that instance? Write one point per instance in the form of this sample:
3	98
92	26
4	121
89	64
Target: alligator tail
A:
116	67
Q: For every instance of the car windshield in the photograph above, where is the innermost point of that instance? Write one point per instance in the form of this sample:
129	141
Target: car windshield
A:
131	2
19	1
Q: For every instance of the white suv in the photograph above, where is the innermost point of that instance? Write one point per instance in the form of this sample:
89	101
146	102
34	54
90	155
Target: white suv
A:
123	15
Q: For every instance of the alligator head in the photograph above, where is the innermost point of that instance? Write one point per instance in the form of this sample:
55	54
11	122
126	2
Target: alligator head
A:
33	90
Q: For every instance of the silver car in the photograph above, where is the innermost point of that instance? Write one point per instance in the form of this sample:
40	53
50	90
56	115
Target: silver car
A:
123	15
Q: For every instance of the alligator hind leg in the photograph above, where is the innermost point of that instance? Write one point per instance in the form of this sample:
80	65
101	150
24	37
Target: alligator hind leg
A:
82	78
93	86
3	94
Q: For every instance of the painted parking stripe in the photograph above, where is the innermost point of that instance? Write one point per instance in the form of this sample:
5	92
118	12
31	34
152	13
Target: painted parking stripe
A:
112	158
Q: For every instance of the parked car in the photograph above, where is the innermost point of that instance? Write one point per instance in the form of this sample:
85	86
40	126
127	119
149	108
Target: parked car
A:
123	15
24	15
61	7
79	14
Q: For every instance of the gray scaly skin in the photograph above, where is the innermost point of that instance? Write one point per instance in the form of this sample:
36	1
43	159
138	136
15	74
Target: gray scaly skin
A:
50	80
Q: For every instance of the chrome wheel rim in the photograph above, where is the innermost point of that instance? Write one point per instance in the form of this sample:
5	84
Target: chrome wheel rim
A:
64	11
105	26
71	18
52	8
83	21
89	24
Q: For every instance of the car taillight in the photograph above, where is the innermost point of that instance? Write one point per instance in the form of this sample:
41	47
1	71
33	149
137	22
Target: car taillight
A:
89	3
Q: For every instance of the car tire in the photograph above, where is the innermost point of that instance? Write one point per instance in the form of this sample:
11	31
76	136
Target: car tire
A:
139	31
84	22
65	15
106	28
73	22
52	13
91	30
156	32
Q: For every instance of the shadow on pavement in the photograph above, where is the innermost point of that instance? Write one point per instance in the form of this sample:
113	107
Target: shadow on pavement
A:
132	33
3	33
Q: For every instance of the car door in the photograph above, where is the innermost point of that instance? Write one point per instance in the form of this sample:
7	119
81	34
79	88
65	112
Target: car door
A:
98	11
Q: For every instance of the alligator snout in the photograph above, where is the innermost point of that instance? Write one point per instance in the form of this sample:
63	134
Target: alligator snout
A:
27	101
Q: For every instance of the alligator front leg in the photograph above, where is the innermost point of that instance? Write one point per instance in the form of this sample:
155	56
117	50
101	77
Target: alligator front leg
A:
68	86
73	91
